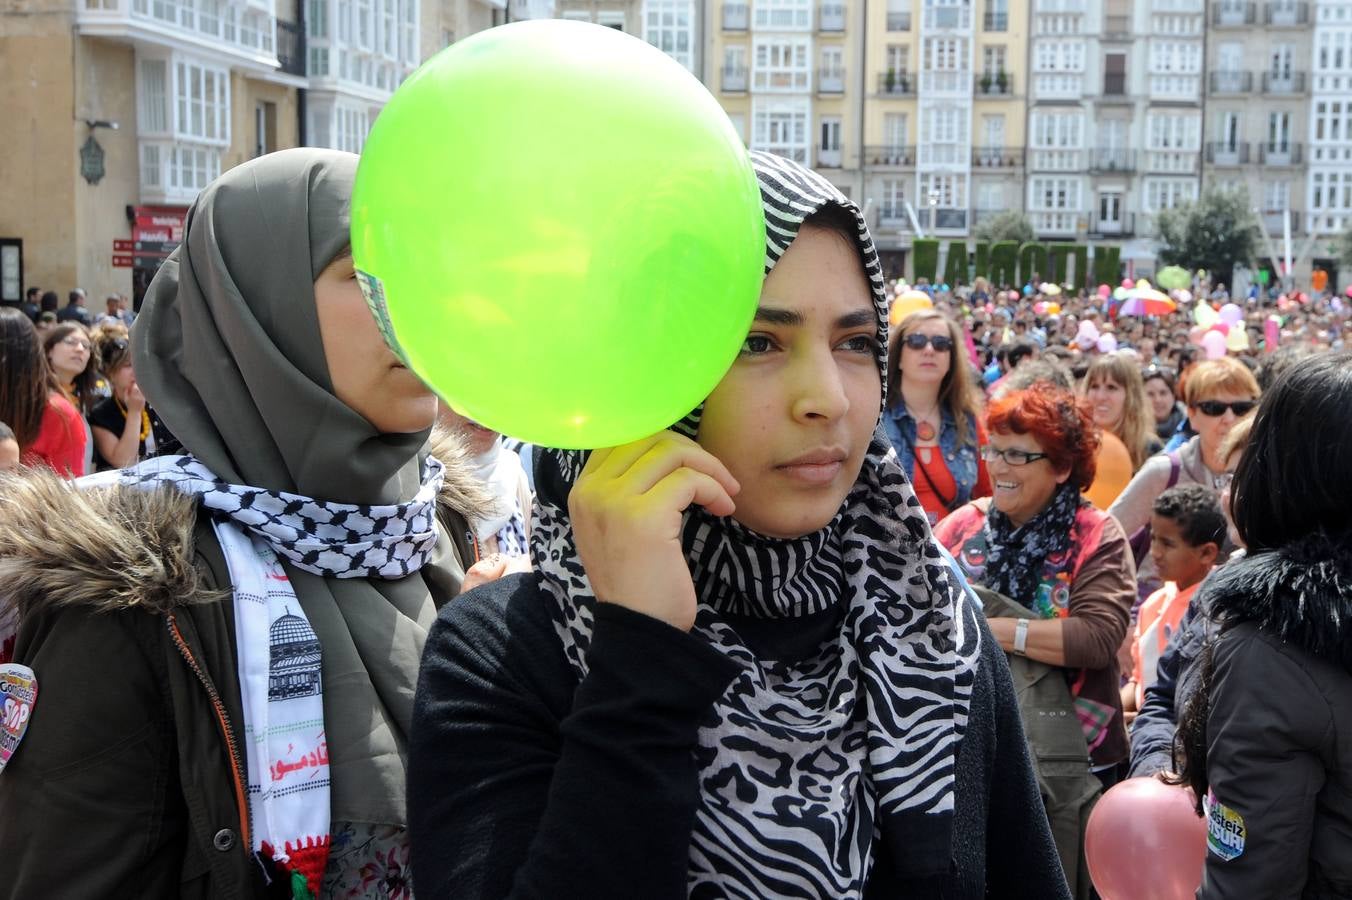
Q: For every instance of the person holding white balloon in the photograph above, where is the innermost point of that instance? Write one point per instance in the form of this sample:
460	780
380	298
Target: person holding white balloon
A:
713	683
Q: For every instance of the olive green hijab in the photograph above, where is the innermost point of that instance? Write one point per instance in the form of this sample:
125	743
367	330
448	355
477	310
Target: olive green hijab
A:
227	349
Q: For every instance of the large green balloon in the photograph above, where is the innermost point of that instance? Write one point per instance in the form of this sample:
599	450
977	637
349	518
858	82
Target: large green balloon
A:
560	231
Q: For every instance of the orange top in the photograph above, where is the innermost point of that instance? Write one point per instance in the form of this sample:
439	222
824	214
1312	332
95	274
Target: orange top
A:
1160	615
1114	472
938	472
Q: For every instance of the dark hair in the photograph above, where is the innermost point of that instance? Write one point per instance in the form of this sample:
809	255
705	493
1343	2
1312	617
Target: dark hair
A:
74	295
1197	512
1059	423
1150	373
838	220
7	434
84	382
1278	362
1295	476
25	382
112	347
50	301
31	293
1018	350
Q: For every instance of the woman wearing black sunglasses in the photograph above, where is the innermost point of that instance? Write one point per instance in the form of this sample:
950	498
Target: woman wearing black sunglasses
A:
1218	393
932	416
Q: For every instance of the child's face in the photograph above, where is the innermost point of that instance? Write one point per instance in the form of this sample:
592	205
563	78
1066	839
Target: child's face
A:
9	455
1176	559
793	417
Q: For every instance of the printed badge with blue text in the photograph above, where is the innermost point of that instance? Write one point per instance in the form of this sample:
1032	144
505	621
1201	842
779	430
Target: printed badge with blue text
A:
1224	829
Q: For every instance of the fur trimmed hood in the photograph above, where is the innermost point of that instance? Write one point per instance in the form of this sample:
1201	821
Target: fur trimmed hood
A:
126	548
1301	593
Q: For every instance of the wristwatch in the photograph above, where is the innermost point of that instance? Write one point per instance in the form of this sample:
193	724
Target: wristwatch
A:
1021	638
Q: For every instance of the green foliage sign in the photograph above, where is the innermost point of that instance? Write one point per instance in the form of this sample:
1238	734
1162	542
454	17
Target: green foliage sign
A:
1009	263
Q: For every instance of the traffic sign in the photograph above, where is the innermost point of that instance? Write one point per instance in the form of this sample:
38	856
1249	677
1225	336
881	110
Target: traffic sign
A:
121	261
151	248
148	262
122	246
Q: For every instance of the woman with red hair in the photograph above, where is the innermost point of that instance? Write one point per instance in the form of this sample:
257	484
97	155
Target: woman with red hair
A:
1057	580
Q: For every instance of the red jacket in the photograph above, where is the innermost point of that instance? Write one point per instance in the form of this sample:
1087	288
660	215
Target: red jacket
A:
60	444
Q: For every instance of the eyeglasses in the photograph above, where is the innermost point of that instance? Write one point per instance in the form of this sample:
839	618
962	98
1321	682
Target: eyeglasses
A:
73	341
1215	408
941	343
1012	457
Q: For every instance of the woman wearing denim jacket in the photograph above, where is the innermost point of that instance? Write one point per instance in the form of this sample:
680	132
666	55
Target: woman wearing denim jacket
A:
931	406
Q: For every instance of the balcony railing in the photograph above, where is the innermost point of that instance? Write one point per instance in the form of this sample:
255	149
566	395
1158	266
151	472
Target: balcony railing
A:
1117	28
1054	222
831	17
291	47
898	21
958	18
1114	84
1288	15
734	79
896	84
1224	153
736	16
1281	153
995	21
942	219
1045	160
945	82
890	156
1122	226
1172	162
1231	82
830	81
828	159
1234	15
996	158
989	85
1112	159
1283	82
1273	224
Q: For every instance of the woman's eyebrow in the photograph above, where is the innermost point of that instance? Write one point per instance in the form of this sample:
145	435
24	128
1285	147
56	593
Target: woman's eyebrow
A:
857	319
773	315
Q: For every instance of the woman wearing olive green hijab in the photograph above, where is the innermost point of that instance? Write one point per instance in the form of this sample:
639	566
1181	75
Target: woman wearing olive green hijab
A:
235	714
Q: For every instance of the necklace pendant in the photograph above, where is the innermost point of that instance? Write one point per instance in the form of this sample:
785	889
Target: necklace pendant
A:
924	431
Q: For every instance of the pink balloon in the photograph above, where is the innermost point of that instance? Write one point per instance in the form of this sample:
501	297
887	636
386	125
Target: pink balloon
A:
1195	334
1145	839
1107	343
1128	283
1231	314
1222	327
1214	344
1104	291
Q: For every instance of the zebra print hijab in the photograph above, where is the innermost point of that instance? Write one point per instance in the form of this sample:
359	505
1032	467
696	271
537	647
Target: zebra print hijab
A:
863	735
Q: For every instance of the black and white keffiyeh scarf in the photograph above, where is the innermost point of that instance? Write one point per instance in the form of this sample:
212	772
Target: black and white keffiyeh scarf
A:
865	732
279	655
1016	556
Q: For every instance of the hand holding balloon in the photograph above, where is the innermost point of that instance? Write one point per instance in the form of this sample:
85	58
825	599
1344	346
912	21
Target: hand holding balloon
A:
626	512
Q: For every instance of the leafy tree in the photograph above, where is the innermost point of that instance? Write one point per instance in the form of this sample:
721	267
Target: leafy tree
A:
1213	233
1010	225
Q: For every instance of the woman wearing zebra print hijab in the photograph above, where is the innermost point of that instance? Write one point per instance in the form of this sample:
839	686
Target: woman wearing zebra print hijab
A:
743	667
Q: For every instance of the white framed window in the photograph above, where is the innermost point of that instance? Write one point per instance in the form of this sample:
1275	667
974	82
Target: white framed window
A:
898	58
947	125
1229	128
734	57
1279	129
408	32
894	130
781	65
944	190
353	124
1059	56
611	18
833	59
1058	24
1168	193
990	195
892	199
1053	194
1331	194
669	26
1334	50
1332	122
781	127
1276	195
993	132
829	130
153	98
1167	131
201	102
992	60
782	15
1058	130
946	54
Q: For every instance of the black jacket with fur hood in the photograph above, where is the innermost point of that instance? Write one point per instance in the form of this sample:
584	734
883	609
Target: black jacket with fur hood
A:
1279	725
128	782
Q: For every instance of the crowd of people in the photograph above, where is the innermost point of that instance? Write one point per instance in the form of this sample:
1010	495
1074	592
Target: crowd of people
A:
885	615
